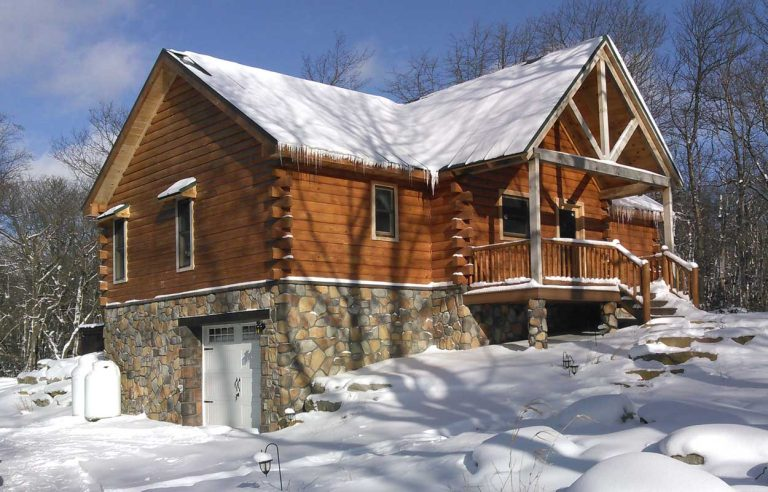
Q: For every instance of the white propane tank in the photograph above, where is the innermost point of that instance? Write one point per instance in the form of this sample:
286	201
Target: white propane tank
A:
84	367
102	391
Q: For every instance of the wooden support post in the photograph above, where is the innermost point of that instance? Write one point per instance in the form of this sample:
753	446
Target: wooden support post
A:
602	108
665	269
695	286
534	217
645	291
669	219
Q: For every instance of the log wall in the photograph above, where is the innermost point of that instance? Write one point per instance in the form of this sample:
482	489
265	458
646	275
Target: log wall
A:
332	228
189	137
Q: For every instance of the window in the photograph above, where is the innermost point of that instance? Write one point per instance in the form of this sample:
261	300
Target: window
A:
223	334
250	332
514	216
184	246
119	258
384	212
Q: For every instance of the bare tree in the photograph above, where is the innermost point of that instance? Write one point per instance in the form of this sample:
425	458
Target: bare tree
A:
13	158
340	66
471	55
49	268
85	150
420	77
637	31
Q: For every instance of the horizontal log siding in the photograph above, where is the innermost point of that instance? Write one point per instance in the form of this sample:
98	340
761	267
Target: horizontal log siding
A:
332	229
190	137
641	237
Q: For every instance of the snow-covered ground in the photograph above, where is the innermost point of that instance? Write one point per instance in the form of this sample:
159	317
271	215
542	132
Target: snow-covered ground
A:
492	418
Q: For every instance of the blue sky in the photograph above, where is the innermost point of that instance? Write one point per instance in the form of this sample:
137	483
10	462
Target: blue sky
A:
61	57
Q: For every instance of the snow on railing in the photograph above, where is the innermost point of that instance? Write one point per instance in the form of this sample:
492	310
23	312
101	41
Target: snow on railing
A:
631	256
688	265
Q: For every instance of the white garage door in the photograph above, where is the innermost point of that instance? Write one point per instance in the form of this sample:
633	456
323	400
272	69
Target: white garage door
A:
231	375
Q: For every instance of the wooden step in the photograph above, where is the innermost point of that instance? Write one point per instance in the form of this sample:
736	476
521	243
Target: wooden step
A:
663	311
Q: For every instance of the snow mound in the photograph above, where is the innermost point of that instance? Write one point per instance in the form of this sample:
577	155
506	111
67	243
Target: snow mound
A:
602	409
49	370
646	472
523	454
719	443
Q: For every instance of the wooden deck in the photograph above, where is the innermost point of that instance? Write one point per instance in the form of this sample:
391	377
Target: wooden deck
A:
575	271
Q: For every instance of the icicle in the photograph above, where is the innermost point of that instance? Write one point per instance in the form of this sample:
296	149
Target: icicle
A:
312	156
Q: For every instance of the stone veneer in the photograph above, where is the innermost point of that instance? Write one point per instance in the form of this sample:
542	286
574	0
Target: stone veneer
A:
608	316
502	322
314	330
537	323
160	361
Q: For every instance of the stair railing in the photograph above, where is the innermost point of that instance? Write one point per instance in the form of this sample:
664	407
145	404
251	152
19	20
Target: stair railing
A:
680	275
635	275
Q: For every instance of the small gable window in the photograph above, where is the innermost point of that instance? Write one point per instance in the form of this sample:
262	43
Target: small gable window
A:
119	257
514	216
184	235
384	212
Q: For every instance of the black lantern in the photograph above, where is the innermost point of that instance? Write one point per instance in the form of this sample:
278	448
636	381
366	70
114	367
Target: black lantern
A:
264	460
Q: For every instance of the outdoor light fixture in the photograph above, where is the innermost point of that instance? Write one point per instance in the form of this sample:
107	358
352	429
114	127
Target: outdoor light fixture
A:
290	415
569	365
264	460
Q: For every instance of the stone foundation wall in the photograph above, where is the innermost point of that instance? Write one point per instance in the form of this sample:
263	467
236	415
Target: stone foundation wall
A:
160	362
323	330
502	322
314	330
455	326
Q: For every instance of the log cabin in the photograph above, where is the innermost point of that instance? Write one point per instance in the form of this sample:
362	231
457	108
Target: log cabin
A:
258	230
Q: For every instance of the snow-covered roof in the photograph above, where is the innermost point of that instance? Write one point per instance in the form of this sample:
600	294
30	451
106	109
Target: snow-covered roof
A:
112	211
177	187
489	117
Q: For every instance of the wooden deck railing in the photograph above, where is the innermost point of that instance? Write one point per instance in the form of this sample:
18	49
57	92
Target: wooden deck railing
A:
681	276
577	260
502	261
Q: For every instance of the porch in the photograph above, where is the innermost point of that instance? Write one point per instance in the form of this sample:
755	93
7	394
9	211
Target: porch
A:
573	270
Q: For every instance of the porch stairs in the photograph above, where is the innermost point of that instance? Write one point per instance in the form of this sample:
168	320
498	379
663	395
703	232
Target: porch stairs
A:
660	308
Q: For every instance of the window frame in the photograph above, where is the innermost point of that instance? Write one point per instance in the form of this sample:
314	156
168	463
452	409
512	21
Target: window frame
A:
375	235
500	206
191	265
124	223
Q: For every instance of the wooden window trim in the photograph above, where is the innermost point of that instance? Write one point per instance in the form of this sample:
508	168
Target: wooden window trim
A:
191	265
124	223
578	208
374	235
500	219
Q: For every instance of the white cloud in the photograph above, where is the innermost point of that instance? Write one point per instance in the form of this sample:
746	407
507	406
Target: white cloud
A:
47	165
71	48
97	72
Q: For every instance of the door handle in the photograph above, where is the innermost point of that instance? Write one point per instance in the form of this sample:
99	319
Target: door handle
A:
237	388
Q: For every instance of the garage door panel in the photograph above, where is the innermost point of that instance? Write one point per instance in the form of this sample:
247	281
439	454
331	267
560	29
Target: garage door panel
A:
232	363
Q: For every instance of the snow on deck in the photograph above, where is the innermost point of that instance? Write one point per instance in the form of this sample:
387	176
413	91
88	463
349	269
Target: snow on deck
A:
488	117
485	419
